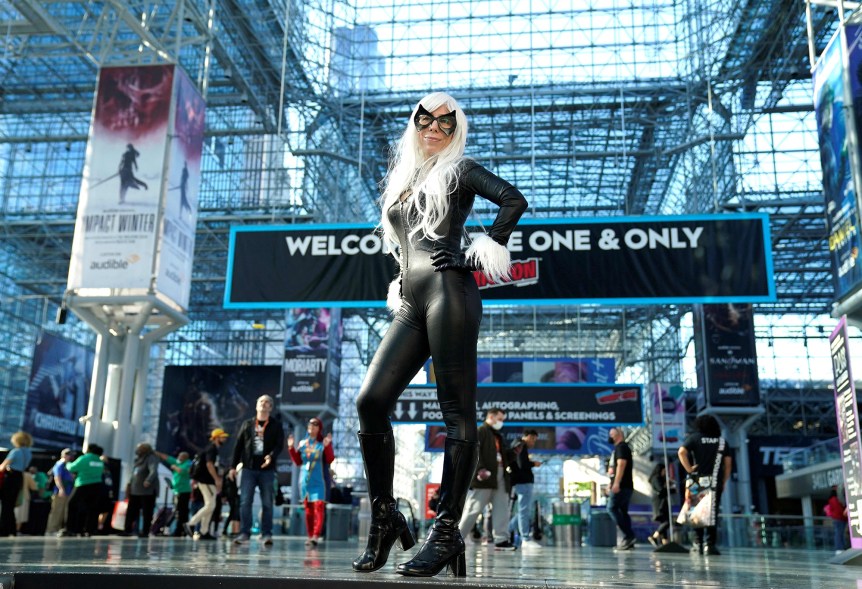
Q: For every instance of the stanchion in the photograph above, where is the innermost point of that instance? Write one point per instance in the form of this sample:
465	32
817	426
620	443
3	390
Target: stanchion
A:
672	546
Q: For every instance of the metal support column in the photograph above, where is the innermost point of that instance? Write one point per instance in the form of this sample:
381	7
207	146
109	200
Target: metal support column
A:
127	327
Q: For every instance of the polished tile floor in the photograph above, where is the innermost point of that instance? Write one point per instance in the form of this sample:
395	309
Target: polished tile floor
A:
289	560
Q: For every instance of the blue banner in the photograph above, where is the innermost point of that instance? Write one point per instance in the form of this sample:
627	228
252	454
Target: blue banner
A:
58	393
586	440
842	215
576	404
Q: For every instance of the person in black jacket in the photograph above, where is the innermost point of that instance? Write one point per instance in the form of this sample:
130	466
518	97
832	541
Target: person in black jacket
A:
622	487
491	483
660	505
258	444
429	193
521	476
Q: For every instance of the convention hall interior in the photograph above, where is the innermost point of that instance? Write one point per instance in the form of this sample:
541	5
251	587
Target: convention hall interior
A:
593	108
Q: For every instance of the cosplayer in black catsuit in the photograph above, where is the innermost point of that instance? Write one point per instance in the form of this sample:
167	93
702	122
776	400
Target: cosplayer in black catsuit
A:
439	315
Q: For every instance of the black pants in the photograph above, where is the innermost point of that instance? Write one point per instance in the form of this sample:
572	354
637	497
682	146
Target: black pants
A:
84	506
182	511
439	317
233	515
137	505
12	484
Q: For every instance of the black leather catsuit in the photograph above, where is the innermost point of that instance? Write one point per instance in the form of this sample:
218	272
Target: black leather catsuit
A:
440	310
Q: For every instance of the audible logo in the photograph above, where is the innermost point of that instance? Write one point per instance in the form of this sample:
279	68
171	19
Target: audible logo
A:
115	263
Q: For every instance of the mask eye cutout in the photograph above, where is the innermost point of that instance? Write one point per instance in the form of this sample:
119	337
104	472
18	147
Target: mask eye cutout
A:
447	123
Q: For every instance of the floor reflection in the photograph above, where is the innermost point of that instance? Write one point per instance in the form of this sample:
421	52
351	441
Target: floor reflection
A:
546	567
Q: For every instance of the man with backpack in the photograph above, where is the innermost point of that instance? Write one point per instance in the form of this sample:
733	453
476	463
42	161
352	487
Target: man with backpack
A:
204	473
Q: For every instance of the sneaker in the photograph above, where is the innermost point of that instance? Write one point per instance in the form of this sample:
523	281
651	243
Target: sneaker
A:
188	530
206	537
267	540
505	545
696	548
711	551
654	541
625	544
530	545
241	539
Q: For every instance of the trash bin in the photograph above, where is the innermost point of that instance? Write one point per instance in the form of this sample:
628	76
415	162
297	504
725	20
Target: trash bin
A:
296	526
603	530
566	519
338	521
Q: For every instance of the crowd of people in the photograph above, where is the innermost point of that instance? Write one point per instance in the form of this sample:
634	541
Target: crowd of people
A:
80	487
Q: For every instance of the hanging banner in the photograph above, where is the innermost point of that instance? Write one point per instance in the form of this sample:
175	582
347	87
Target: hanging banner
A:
118	208
586	440
312	359
616	260
58	393
831	94
668	416
137	210
179	219
726	354
847	412
538	404
534	370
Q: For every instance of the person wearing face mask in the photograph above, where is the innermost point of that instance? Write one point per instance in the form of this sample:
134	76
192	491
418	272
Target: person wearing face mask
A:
622	487
429	193
491	483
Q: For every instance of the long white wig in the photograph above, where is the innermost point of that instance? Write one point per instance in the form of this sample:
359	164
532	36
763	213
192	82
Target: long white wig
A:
435	176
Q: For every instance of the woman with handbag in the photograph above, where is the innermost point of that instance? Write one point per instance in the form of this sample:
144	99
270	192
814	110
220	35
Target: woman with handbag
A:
706	458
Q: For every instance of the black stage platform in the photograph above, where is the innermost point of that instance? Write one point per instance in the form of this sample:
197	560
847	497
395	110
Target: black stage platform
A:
167	563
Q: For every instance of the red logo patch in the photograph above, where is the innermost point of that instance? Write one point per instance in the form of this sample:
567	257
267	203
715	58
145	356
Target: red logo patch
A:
523	272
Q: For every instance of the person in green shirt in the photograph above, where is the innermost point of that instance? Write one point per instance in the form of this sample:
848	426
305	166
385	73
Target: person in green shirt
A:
83	517
42	491
181	485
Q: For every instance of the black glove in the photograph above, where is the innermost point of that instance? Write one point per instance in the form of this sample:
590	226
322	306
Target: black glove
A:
445	259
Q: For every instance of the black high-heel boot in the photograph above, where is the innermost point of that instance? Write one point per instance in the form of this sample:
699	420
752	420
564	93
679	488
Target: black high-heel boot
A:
387	523
444	546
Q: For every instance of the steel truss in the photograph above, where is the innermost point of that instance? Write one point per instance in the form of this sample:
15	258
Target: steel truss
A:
591	108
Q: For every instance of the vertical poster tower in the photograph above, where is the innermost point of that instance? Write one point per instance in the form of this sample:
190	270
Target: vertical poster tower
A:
729	389
131	265
847	411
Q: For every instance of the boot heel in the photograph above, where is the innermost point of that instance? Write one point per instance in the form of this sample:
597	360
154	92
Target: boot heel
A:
406	539
458	565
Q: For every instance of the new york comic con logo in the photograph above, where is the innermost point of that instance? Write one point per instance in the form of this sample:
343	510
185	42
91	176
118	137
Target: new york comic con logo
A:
523	273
